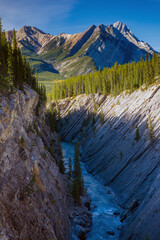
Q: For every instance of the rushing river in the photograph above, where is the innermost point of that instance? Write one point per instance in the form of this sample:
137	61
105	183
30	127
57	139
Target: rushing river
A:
105	224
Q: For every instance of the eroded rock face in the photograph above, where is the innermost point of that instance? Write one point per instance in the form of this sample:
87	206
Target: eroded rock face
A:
121	146
33	194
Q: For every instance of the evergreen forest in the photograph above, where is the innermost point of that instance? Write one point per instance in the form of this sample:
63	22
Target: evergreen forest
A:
14	69
112	80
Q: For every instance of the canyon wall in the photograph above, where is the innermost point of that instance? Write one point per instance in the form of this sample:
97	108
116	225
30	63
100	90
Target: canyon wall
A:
121	147
33	194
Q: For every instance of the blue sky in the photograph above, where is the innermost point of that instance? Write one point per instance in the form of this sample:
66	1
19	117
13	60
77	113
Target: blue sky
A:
70	16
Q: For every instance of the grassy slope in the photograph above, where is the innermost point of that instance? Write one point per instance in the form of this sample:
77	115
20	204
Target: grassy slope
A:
81	65
47	74
48	79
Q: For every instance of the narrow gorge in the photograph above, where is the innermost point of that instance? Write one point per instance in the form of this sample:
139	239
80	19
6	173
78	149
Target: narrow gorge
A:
119	137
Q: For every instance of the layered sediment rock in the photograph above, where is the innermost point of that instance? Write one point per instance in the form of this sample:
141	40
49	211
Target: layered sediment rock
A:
121	146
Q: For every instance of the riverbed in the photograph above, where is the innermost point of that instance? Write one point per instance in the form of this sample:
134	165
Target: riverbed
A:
105	211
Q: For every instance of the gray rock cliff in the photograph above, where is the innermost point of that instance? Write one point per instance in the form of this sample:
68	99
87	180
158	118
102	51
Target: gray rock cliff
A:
120	138
33	194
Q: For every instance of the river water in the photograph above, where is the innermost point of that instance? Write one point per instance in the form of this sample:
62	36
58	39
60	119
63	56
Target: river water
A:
105	224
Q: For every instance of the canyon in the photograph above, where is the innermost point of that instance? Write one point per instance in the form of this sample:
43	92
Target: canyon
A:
119	138
108	138
120	144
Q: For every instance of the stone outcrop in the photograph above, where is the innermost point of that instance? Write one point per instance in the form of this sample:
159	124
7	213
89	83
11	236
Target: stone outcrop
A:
30	37
81	218
120	141
33	194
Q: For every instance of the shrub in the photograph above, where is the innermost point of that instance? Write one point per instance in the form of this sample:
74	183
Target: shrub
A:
51	198
102	117
22	142
151	130
31	129
137	137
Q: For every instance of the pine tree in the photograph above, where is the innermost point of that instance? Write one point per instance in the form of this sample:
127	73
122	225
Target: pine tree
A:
154	60
61	161
14	70
102	117
137	137
147	237
0	39
61	166
77	169
51	116
15	60
3	84
158	65
151	130
70	168
10	75
77	174
1	76
142	58
20	68
75	191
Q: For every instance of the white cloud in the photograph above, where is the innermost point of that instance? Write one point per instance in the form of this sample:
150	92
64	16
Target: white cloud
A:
16	13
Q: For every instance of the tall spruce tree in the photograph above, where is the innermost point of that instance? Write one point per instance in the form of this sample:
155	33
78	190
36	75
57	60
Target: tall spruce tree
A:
15	59
78	183
0	51
137	137
70	168
14	70
151	130
3	66
61	161
10	74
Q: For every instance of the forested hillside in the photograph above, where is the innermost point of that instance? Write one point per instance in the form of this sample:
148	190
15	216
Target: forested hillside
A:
112	80
14	69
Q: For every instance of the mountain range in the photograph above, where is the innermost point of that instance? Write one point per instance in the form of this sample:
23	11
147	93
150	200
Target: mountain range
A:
59	56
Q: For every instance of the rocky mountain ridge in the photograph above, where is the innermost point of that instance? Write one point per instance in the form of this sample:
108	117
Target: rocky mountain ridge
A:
121	147
69	54
30	37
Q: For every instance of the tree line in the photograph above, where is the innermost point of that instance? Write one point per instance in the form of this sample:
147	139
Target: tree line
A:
112	80
14	69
